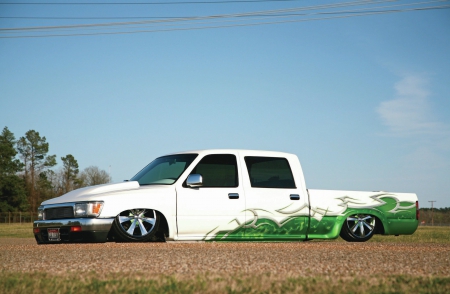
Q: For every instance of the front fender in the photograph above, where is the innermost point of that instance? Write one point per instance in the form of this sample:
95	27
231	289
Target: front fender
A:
160	199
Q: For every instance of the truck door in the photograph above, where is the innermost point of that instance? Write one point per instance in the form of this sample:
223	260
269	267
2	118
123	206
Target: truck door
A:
217	207
276	202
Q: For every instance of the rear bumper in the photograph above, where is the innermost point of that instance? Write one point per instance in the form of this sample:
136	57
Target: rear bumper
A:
92	230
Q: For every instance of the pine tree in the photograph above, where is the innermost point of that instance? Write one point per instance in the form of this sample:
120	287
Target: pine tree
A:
70	172
33	149
12	192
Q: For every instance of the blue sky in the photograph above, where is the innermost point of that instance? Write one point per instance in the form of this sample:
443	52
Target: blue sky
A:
363	101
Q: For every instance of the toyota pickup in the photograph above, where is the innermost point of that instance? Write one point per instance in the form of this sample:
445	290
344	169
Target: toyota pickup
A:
222	195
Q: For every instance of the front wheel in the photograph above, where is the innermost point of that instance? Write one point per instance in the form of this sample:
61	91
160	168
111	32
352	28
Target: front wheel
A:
138	225
358	228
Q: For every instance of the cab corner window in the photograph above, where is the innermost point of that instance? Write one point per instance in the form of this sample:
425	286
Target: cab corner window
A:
217	170
269	172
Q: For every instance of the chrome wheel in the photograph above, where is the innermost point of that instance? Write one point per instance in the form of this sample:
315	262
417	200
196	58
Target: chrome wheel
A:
136	224
358	228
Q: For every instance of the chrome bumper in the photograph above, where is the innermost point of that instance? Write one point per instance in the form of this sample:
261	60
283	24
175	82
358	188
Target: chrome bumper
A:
92	229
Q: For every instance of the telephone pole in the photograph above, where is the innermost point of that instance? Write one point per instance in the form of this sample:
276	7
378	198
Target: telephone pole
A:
432	202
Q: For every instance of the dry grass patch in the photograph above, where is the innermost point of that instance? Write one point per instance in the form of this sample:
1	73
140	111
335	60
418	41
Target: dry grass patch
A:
206	283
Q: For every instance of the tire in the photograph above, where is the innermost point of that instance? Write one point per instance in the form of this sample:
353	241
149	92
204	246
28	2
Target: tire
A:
358	228
136	225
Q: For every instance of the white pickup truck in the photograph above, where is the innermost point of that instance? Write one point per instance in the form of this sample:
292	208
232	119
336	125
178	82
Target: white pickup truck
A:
222	195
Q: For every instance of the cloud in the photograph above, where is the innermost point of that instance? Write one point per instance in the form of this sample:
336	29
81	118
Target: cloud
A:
409	113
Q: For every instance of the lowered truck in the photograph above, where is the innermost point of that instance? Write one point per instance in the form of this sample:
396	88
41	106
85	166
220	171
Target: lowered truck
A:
222	195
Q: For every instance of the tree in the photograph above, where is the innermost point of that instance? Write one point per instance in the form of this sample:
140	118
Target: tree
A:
33	150
12	192
70	172
8	162
92	175
46	185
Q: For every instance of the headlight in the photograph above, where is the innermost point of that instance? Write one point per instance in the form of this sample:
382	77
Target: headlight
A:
40	213
88	209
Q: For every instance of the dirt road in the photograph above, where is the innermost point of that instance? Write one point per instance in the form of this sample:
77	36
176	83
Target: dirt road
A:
303	258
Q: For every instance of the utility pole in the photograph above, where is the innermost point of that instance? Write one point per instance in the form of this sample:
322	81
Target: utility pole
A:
432	221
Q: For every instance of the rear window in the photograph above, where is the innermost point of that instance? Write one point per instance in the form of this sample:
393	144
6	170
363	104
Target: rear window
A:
269	172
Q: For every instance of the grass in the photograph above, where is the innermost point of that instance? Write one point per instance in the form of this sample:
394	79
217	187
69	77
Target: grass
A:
24	230
263	283
94	282
424	234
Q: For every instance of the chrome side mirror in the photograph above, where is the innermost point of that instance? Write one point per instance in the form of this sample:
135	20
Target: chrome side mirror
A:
194	180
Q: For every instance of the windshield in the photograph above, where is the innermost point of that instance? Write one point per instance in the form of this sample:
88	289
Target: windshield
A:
164	170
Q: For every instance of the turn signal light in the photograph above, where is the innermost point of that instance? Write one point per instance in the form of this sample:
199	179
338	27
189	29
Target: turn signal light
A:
75	229
88	209
96	207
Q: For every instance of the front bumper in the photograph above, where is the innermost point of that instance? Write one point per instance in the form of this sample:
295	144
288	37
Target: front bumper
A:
92	230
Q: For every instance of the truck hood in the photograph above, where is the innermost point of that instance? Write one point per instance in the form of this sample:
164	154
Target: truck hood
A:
75	195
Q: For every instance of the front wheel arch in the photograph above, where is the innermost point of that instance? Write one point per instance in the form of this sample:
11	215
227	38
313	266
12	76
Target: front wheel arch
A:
163	230
135	225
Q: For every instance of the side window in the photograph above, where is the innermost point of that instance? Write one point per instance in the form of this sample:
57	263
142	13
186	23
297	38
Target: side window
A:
218	170
269	172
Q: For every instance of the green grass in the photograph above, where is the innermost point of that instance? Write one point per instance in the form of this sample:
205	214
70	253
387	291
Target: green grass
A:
24	230
424	234
206	283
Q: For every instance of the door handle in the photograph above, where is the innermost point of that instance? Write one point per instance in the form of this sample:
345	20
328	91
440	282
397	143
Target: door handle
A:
294	197
233	195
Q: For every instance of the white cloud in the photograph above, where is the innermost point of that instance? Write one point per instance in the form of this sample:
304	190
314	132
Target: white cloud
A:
409	113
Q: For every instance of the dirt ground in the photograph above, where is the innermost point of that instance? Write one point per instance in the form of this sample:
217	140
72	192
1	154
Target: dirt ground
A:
295	258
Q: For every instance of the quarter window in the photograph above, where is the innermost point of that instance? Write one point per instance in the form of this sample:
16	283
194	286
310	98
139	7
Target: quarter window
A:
218	170
269	172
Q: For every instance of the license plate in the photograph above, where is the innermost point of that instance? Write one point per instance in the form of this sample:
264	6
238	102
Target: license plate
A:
53	235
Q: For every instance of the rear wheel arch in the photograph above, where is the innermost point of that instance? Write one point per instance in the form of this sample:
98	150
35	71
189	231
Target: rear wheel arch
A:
351	231
379	227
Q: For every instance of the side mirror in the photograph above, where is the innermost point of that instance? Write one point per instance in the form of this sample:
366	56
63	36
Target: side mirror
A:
194	180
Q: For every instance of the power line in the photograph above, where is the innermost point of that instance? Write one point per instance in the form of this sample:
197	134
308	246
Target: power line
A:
223	26
240	16
199	21
247	14
145	3
258	14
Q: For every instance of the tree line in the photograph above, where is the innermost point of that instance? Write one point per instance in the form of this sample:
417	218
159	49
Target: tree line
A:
28	177
435	215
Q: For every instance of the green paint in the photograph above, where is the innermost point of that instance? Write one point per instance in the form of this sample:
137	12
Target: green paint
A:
266	229
396	217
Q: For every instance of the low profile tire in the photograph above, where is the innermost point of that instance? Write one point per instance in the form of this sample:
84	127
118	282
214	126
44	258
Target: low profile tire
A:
136	225
358	228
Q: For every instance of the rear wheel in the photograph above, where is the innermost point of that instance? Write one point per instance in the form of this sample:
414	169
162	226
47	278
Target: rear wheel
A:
358	228
138	225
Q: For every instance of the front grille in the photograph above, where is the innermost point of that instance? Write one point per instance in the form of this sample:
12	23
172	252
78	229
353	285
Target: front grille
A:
59	213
